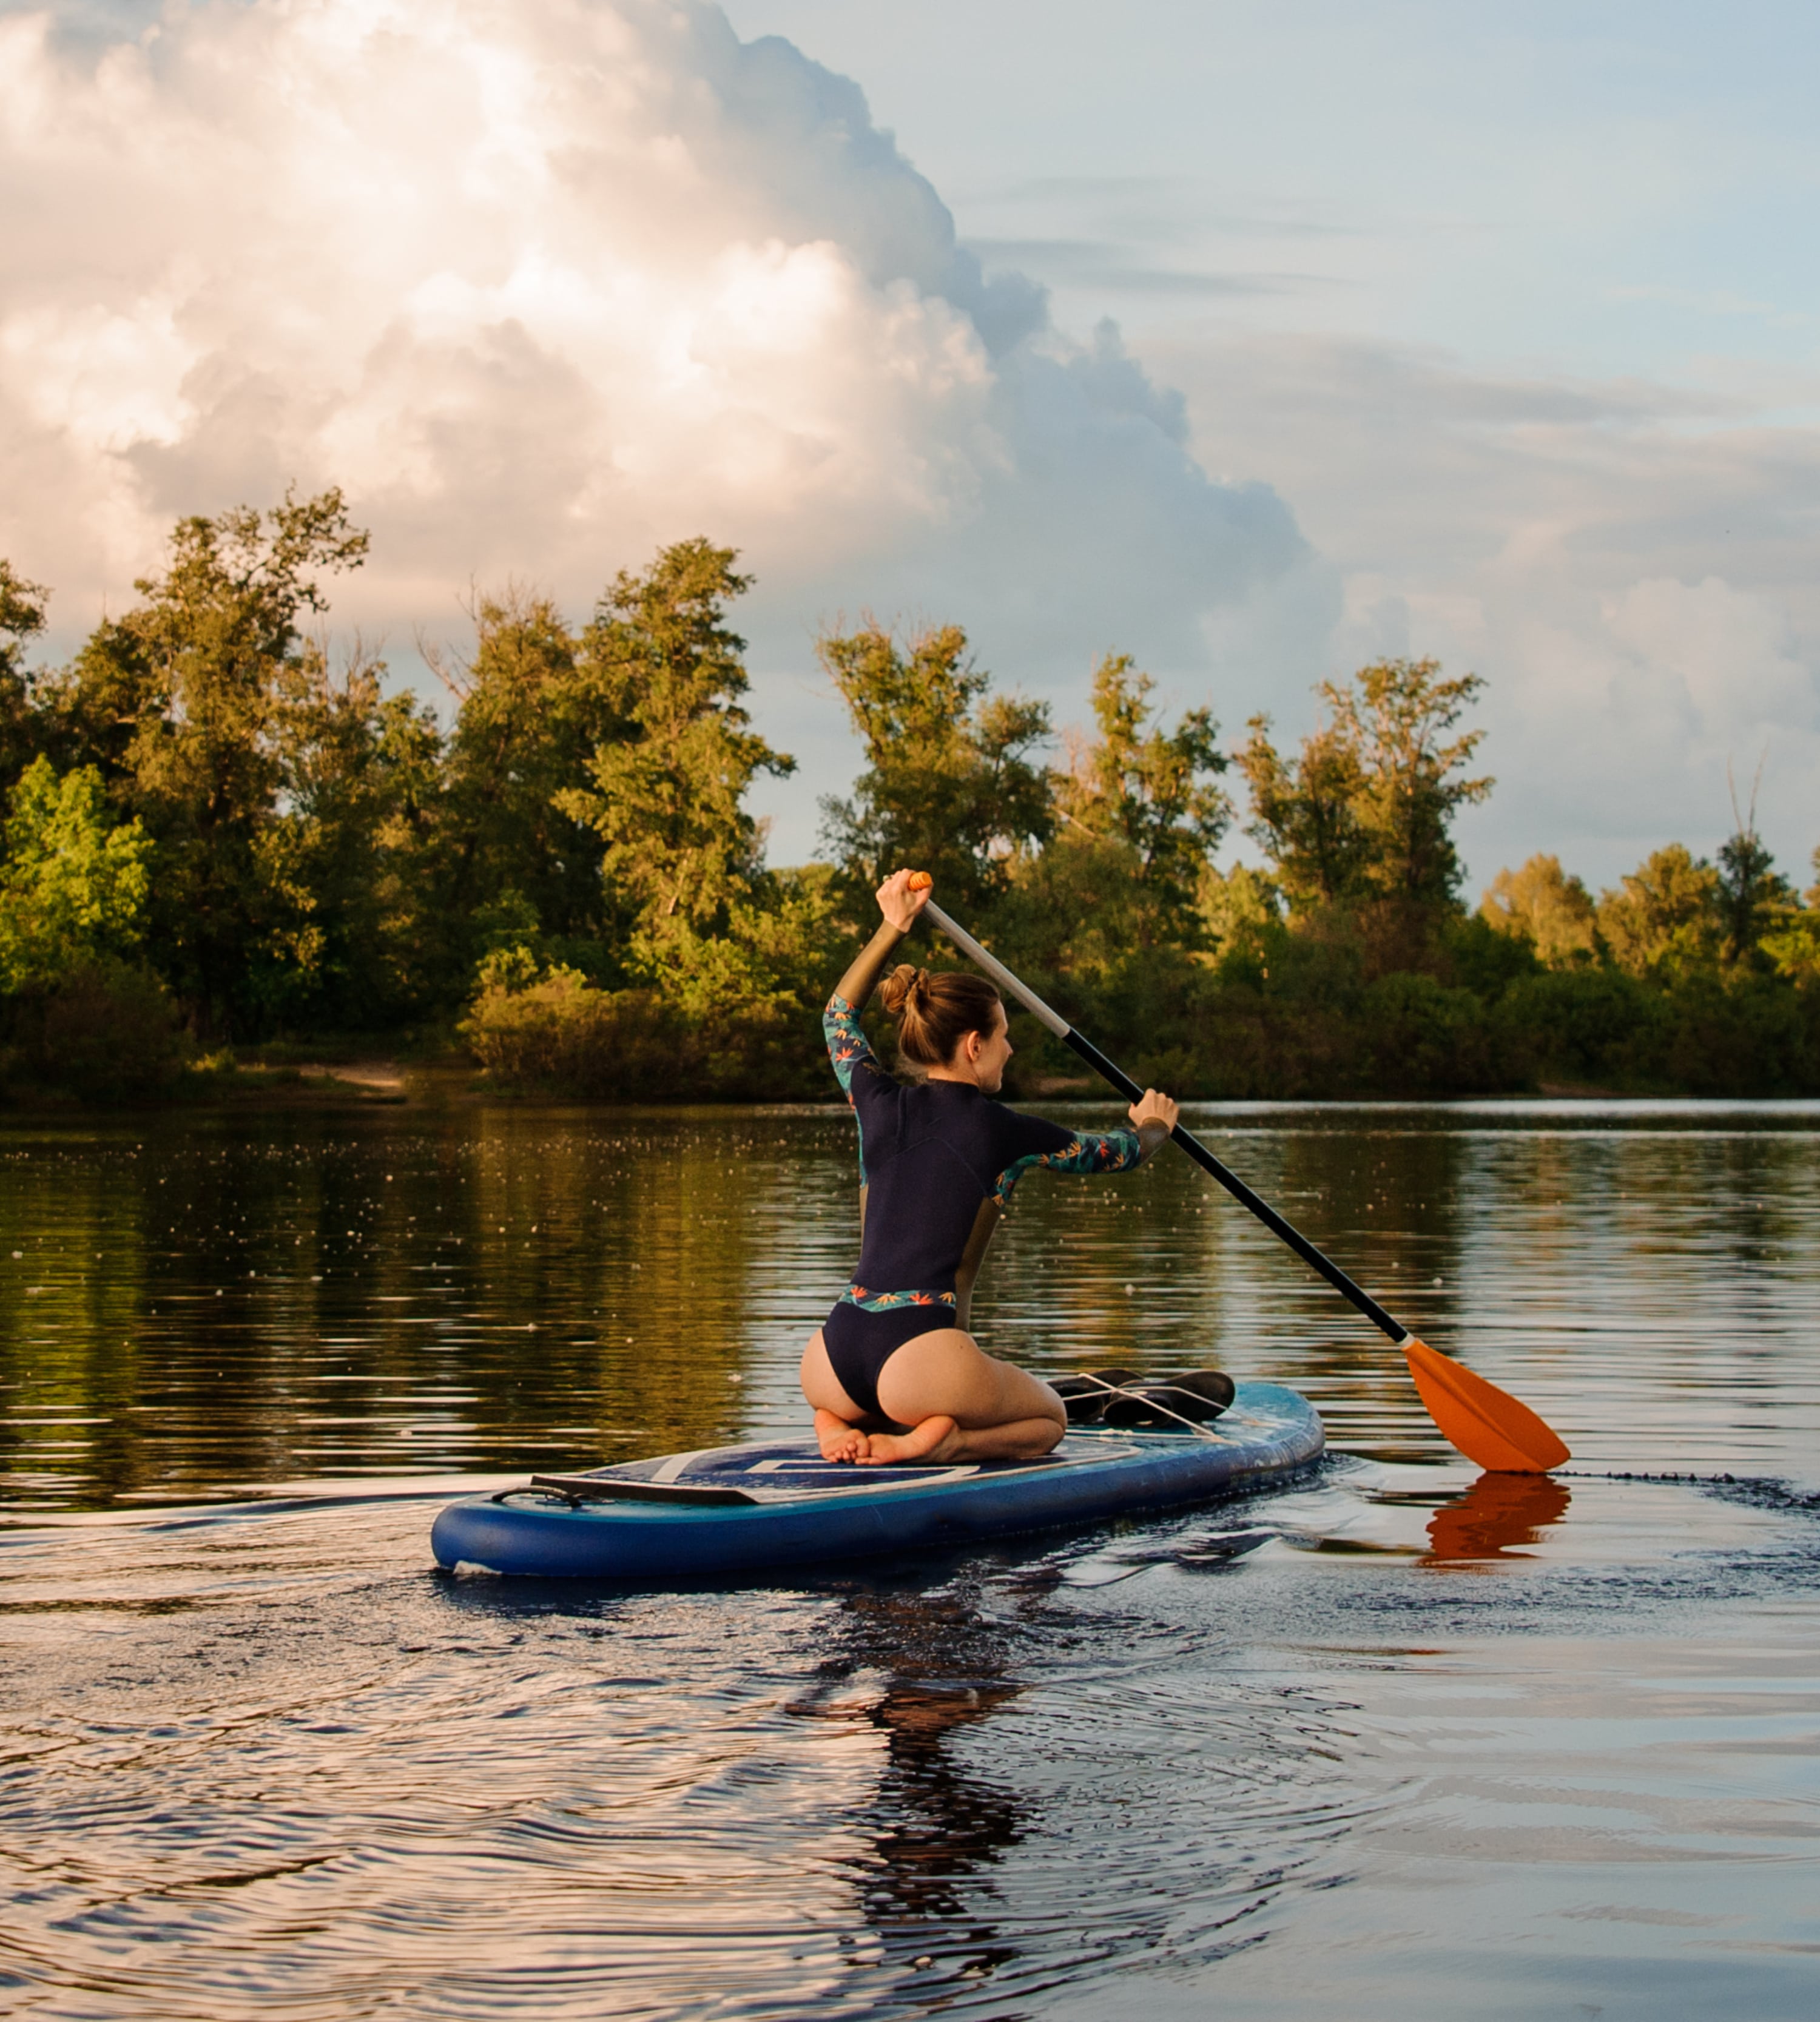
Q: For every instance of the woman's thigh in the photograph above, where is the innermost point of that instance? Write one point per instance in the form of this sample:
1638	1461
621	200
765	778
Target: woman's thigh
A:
821	1386
945	1373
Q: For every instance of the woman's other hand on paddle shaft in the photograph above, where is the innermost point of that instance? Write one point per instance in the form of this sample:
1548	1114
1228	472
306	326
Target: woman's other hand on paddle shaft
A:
1155	1118
899	904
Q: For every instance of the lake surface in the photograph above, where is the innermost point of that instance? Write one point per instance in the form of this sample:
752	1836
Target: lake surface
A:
1394	1740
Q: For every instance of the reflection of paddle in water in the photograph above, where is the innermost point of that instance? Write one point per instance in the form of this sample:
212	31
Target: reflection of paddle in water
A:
1496	1515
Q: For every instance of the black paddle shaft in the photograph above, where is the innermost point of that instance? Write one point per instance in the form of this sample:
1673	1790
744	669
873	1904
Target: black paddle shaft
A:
1316	1259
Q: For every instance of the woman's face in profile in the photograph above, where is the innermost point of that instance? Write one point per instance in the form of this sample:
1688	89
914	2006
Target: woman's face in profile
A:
988	1054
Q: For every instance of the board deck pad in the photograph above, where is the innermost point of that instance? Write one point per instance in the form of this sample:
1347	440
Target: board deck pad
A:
794	1471
772	1503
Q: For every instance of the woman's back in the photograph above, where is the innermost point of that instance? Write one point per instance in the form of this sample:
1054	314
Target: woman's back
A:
930	1153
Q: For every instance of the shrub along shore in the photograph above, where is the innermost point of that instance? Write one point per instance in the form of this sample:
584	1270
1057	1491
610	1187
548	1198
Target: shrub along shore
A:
219	834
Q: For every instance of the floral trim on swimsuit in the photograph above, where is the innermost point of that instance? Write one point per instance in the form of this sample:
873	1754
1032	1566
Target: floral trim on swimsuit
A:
886	1302
1104	1151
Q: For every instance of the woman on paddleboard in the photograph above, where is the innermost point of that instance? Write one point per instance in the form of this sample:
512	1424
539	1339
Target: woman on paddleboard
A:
892	1374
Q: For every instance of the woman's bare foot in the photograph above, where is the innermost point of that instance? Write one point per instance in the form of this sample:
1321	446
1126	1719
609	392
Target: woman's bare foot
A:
924	1442
839	1441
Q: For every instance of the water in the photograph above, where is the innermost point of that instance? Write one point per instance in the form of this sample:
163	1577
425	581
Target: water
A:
1394	1740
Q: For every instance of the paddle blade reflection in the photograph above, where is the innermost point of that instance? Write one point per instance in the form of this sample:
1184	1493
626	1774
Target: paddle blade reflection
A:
1499	1514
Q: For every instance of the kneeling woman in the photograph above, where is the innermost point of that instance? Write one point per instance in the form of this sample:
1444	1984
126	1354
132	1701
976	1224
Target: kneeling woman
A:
893	1374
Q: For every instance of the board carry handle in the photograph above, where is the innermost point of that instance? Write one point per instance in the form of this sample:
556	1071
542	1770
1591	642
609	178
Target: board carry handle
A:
578	1488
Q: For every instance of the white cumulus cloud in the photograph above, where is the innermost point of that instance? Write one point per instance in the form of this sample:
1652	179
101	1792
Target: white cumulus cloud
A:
1629	563
543	282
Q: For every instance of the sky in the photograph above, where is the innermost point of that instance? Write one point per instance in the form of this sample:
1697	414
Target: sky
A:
1258	341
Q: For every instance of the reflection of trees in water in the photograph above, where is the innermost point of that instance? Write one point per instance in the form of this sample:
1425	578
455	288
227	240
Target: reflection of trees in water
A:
934	1825
1393	1203
202	1303
1392	1206
232	1301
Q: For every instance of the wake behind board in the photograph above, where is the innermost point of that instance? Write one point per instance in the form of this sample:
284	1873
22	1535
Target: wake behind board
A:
777	1503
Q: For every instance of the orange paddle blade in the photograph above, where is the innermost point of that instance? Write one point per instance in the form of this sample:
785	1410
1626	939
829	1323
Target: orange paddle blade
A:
1486	1424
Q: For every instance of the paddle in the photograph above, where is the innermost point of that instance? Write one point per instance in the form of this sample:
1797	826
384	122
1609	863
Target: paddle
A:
1486	1424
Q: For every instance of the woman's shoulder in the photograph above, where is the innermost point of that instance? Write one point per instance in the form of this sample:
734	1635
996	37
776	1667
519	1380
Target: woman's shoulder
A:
1022	1123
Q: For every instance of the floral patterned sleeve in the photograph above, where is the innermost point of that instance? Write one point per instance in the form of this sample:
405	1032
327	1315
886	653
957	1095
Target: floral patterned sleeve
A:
850	1051
1079	1152
848	1047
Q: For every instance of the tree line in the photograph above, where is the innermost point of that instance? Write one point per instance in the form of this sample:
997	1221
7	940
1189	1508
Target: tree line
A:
219	831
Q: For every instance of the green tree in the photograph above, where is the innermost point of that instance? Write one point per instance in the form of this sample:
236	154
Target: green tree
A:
356	845
1542	904
74	881
725	961
1155	792
950	785
1750	891
1139	812
178	703
22	613
664	791
1240	910
534	711
1306	815
1793	942
1665	915
1366	811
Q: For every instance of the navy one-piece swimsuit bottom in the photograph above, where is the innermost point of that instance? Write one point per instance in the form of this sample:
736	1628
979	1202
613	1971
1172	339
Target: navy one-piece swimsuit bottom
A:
930	1152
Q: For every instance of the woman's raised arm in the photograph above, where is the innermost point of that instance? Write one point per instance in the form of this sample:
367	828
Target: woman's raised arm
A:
900	907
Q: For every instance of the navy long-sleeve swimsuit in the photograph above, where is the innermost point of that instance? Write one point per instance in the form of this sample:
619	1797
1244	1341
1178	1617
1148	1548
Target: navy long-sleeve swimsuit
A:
930	1152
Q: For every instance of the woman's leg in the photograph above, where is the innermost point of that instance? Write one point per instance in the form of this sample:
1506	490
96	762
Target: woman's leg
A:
960	1404
836	1416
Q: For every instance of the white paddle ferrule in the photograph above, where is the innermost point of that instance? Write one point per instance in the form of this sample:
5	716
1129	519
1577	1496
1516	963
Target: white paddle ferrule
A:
999	973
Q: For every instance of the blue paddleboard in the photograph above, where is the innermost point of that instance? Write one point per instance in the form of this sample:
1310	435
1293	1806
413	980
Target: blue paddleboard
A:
778	1503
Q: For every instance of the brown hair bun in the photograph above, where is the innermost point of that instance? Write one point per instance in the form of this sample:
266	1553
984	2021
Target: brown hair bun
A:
898	988
935	1012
